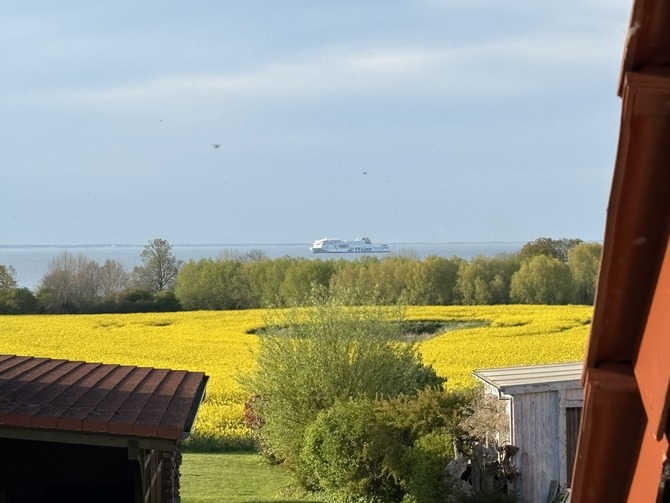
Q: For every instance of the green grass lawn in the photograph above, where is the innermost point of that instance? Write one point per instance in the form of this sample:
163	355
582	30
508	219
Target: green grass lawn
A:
232	478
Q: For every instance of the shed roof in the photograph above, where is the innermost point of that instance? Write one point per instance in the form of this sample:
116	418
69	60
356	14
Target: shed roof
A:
512	380
62	400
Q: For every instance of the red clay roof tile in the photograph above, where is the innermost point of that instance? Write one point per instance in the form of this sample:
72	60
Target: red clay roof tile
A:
84	397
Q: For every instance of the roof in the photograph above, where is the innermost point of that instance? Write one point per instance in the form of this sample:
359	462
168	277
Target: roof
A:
511	380
62	400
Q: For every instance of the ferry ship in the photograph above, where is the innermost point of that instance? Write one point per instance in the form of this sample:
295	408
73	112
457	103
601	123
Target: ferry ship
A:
358	245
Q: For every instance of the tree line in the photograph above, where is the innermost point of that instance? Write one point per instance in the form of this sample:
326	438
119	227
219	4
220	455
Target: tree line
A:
544	271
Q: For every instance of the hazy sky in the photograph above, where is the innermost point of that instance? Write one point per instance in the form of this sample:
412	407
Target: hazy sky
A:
408	121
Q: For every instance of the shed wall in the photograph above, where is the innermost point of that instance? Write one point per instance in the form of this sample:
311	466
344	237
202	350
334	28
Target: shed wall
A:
536	433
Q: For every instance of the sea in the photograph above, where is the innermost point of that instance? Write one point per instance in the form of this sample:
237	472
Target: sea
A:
31	262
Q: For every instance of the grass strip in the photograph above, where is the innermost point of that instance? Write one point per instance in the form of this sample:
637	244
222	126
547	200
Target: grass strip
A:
233	478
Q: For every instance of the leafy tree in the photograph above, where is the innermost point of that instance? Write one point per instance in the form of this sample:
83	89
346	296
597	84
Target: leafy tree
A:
486	280
543	280
355	282
213	284
159	266
265	279
17	301
310	358
301	278
7	277
440	278
557	248
584	261
393	279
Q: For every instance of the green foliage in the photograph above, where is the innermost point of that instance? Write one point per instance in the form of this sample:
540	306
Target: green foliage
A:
324	354
425	462
355	282
75	284
213	284
302	277
397	279
339	456
384	449
556	248
440	279
141	301
428	411
486	280
265	279
543	280
393	279
166	301
17	301
584	262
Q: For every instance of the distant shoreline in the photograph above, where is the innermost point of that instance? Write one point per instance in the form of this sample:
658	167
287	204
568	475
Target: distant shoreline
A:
218	245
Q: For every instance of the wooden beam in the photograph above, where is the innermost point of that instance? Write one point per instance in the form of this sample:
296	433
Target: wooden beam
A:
613	423
71	437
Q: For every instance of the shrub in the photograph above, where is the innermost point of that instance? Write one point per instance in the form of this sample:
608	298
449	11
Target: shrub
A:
425	462
166	301
315	357
429	411
337	454
382	450
429	425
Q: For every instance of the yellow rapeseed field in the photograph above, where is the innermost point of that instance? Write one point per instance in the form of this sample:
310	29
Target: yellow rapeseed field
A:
218	343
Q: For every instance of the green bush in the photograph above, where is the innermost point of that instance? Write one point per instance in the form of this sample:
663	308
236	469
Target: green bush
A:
317	356
425	462
337	454
430	410
386	449
428	425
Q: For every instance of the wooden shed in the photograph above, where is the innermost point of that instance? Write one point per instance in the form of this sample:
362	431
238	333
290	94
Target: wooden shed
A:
72	431
544	404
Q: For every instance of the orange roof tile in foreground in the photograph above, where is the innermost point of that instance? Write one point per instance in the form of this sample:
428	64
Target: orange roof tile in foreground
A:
63	400
623	445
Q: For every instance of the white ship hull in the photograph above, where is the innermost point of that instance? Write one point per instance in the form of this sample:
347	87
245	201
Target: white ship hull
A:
362	245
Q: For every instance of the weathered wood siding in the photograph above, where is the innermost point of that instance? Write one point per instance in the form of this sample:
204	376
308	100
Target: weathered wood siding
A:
544	430
535	419
544	404
573	418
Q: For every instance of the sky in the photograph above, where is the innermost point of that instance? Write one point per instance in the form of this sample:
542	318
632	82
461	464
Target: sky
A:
425	121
